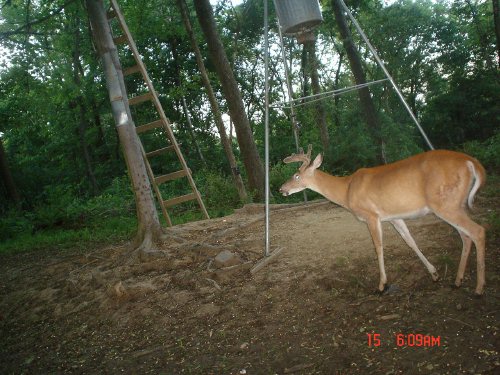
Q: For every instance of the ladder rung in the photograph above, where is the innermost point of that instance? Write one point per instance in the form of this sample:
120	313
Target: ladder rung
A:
120	39
140	98
170	177
111	14
131	70
160	151
151	125
181	199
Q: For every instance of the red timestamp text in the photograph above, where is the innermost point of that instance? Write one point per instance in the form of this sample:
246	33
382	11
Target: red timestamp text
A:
406	340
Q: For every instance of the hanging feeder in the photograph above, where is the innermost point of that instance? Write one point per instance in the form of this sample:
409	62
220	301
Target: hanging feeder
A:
299	17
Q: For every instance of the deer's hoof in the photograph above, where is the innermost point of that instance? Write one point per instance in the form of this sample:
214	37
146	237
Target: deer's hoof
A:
388	289
478	293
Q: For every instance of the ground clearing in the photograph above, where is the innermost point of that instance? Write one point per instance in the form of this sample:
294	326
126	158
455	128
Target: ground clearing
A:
311	311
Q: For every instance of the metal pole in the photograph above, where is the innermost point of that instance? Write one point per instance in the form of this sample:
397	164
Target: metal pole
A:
266	122
379	61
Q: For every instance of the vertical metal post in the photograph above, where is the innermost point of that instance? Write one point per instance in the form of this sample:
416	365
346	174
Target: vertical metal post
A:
381	64
266	123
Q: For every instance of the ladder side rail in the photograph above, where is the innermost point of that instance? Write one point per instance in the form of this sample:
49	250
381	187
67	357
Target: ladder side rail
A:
156	188
156	101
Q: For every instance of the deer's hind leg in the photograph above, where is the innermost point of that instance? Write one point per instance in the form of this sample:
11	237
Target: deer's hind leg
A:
403	231
467	245
475	233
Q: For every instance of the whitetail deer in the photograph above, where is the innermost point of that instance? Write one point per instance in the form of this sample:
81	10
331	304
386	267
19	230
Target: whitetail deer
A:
440	182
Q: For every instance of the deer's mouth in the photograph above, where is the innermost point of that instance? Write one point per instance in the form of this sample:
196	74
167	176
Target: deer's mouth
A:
284	192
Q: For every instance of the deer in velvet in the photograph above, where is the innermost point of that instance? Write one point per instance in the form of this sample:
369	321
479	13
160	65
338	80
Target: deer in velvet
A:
439	181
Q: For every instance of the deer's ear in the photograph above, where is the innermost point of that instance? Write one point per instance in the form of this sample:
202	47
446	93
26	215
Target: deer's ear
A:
317	162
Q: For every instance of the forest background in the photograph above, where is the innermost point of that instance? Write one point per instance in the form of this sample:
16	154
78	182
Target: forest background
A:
64	180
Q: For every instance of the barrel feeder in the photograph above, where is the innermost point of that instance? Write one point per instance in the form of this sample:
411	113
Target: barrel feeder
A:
298	16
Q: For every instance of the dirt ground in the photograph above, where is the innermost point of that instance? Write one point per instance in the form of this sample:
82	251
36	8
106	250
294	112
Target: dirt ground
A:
312	310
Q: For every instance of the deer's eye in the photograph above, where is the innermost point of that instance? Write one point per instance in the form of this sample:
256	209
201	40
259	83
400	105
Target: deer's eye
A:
297	177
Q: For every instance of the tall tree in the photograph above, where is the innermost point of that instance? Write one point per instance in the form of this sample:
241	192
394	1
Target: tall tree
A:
251	159
320	113
149	228
79	101
226	144
360	78
7	178
496	20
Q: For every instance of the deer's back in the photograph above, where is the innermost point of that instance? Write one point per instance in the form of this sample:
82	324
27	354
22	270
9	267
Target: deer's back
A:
412	186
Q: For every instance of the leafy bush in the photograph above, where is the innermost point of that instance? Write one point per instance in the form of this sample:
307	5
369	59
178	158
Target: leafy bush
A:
63	220
58	207
13	225
218	191
61	207
487	152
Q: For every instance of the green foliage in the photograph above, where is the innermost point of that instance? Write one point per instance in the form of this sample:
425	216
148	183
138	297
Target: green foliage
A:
54	108
63	208
494	226
13	224
219	192
63	217
105	232
487	152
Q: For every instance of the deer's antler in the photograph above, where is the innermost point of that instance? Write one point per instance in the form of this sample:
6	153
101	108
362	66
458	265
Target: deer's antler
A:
304	158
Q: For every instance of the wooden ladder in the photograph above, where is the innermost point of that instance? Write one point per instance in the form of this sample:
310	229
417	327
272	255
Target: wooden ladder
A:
163	123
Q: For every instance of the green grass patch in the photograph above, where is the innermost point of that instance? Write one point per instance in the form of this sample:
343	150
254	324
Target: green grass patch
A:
106	232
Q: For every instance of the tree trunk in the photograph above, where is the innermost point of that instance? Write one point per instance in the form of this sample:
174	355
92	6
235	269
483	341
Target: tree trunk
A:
100	143
251	159
226	144
7	178
149	228
303	69
360	78
496	19
336	99
189	125
82	113
310	47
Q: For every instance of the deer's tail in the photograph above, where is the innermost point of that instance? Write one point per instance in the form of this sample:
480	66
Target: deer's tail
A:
479	175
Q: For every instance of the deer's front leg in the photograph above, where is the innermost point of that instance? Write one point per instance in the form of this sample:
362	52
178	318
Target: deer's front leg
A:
375	228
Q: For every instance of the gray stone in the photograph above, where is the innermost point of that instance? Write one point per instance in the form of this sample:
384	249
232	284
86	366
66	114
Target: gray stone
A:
227	259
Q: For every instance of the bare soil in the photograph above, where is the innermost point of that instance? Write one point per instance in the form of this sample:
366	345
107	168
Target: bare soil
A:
312	310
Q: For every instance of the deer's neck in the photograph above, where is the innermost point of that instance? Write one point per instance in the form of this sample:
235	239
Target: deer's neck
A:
331	187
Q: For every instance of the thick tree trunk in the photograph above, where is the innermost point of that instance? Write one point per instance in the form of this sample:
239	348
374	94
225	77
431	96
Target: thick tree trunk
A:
251	159
226	144
310	47
149	228
360	78
7	178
